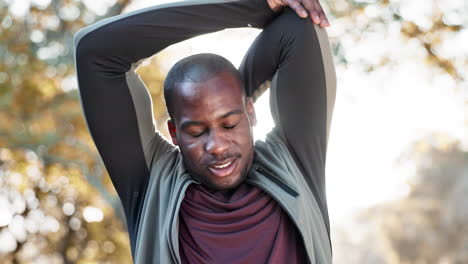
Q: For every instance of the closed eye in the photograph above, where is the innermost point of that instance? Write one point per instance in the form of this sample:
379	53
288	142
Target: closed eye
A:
230	127
197	135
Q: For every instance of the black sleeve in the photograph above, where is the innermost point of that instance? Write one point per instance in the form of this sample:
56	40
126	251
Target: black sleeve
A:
294	55
116	103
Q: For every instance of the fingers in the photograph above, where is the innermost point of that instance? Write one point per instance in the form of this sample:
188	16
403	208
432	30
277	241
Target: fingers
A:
320	18
297	6
317	15
324	23
323	19
311	8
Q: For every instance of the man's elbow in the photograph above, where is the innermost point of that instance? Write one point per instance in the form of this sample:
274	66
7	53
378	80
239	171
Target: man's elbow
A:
81	46
87	44
78	36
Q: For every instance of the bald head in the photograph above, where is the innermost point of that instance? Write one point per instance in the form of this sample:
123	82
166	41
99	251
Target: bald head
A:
195	69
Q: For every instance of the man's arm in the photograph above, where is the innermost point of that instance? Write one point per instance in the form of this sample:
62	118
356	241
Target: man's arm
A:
295	55
116	103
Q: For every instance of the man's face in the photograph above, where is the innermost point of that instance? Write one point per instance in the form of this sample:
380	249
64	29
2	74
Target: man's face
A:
213	128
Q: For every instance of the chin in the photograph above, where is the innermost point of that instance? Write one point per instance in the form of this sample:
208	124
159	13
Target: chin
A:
225	184
229	182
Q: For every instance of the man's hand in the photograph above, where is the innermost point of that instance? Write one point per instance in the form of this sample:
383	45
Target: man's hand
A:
303	9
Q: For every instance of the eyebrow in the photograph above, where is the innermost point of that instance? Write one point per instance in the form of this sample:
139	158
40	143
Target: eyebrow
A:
190	123
198	123
233	112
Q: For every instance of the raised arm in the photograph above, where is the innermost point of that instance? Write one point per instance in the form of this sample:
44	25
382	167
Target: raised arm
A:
294	54
116	103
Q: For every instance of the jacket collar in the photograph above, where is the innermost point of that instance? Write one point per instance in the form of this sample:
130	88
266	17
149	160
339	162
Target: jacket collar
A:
257	171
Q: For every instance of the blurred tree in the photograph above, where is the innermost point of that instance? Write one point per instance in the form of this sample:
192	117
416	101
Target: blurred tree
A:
426	27
50	214
55	204
430	224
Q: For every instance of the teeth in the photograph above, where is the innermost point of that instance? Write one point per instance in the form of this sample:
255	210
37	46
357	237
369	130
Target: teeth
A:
223	166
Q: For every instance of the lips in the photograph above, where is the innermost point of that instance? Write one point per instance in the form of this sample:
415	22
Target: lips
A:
223	168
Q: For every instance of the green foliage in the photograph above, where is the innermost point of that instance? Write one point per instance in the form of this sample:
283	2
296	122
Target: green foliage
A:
45	214
431	30
48	162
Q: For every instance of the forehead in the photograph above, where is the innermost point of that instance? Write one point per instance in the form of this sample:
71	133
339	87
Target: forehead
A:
209	99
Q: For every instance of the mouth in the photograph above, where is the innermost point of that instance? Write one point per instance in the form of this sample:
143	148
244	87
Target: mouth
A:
223	168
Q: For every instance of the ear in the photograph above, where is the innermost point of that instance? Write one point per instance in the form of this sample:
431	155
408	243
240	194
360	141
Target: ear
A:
251	111
172	131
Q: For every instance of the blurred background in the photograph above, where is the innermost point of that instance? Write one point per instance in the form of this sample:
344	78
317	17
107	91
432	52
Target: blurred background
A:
397	161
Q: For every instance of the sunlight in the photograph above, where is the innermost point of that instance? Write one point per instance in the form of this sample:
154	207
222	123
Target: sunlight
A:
92	214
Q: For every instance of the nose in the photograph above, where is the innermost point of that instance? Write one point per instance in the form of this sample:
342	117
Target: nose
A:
216	143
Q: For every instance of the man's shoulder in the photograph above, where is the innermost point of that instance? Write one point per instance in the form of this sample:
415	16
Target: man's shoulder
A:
273	144
273	153
168	167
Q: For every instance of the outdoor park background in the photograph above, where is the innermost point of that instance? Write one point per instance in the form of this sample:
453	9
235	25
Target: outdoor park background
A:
397	162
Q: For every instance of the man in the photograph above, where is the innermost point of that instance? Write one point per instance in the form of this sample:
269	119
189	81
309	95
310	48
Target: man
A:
217	198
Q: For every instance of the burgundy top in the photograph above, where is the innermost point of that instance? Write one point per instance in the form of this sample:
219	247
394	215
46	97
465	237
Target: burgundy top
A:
243	226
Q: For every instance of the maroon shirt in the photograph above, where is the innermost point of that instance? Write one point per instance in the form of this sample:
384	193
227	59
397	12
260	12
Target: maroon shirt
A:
242	226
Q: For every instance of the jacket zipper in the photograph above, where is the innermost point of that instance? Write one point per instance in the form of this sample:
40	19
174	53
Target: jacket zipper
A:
280	202
277	181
